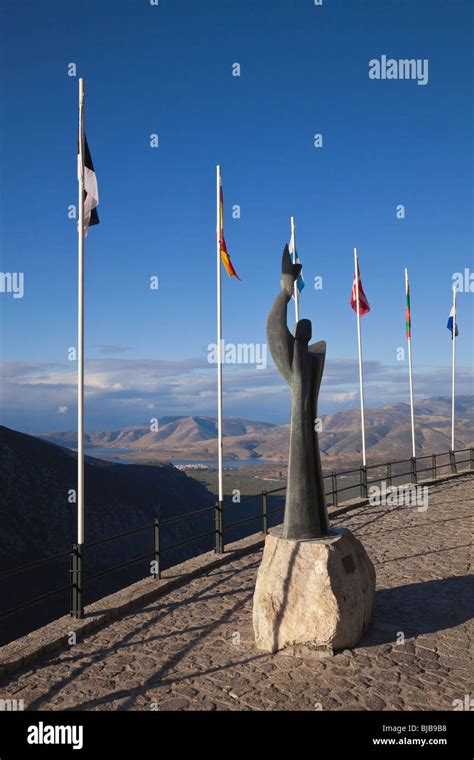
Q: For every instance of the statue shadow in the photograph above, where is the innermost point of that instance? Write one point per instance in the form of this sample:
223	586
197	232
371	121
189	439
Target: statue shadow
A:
420	608
286	586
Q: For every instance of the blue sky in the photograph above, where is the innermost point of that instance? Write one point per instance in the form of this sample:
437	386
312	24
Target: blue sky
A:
167	69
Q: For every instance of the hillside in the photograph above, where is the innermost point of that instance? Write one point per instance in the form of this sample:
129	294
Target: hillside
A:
388	434
37	521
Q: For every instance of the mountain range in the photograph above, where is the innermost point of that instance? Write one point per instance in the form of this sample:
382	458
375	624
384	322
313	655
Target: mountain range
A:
388	434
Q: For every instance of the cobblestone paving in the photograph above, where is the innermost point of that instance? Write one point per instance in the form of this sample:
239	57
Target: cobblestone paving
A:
193	649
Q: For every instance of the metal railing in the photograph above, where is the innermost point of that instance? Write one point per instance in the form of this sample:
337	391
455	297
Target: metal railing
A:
357	480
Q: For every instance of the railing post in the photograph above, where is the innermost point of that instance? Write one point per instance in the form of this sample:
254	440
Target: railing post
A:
222	526
452	461
77	581
363	482
335	499
413	470
216	528
264	513
434	472
156	549
218	518
389	473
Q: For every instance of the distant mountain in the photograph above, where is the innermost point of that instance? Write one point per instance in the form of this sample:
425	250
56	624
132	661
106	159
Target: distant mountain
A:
388	429
37	519
174	433
388	434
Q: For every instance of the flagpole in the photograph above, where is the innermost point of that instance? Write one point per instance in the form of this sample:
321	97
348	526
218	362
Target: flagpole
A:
80	326
410	372
453	368
219	347
77	605
295	286
361	376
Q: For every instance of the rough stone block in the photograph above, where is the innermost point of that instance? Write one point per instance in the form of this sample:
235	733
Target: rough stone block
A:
313	594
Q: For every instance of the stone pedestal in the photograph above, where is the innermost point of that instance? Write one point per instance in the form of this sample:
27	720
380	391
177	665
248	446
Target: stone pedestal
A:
313	595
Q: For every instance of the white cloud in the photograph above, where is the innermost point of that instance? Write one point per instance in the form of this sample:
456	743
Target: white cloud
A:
63	409
342	397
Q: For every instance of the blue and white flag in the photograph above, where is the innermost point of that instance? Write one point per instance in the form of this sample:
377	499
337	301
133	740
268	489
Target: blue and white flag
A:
453	322
295	260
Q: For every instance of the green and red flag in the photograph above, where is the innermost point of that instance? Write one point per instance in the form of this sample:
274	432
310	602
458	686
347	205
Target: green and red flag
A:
408	312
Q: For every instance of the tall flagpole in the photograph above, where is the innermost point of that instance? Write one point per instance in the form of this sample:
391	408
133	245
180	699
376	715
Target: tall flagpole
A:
80	326
296	293
361	375
453	368
219	341
410	372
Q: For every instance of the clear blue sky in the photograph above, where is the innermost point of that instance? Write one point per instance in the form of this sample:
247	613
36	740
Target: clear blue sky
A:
168	70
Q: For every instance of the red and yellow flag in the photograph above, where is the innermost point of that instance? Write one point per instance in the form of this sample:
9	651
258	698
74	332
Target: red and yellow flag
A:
225	258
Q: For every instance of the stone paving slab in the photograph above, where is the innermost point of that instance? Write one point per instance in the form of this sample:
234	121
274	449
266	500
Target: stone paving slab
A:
56	635
193	649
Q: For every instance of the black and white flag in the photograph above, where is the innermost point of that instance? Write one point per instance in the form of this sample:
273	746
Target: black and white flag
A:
91	189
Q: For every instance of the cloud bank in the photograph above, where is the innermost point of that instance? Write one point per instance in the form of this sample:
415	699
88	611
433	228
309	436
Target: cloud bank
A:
40	397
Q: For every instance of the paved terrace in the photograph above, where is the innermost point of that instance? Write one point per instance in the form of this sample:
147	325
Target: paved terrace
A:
192	647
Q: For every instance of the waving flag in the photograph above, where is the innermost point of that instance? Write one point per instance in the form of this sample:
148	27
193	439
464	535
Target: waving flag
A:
364	307
91	189
453	322
225	258
408	313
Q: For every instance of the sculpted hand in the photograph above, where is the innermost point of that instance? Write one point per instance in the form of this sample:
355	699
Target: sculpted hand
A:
289	273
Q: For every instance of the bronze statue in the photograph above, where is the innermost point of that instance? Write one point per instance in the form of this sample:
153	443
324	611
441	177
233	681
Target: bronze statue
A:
302	367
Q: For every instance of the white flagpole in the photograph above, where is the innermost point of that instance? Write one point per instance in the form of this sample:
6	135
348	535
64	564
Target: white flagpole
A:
361	375
219	341
80	326
410	372
296	293
453	368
